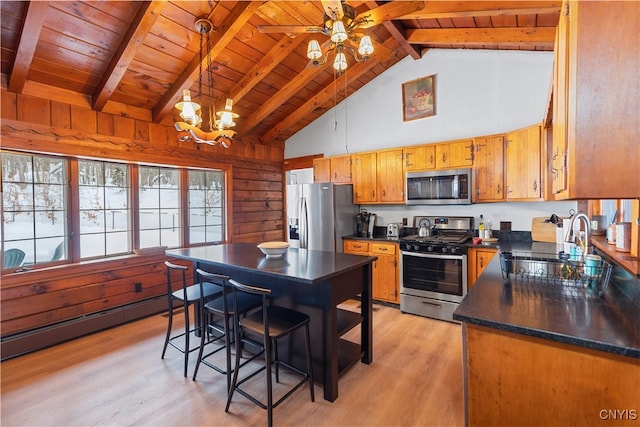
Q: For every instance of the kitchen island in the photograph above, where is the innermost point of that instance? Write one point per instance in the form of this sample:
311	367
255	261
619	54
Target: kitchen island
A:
533	359
314	282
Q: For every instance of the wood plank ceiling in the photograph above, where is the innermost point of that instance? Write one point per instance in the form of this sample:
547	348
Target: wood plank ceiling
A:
136	57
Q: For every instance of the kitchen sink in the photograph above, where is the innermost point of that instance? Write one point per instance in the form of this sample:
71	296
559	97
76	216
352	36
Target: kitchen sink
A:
555	274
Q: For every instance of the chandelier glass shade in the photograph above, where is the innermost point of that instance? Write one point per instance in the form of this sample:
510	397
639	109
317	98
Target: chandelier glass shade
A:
342	38
219	123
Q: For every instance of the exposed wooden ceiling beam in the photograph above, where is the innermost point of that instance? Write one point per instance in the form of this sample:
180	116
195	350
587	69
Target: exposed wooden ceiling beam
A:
147	14
280	98
449	9
29	35
232	24
389	11
397	30
327	93
483	36
293	87
279	52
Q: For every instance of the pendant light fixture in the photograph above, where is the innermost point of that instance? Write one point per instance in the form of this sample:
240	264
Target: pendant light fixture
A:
342	38
190	127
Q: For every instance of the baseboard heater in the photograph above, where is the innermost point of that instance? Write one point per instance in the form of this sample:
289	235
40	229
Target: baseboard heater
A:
37	339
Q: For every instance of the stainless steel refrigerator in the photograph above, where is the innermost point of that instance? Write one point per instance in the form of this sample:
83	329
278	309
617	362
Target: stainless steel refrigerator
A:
318	215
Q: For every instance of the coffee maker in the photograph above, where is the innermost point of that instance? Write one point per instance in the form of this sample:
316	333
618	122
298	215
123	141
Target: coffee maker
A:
364	222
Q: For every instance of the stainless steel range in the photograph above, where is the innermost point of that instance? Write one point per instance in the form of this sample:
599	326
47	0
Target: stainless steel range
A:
433	269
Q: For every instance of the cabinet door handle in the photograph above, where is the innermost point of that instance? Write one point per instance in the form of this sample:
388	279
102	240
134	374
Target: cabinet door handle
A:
535	185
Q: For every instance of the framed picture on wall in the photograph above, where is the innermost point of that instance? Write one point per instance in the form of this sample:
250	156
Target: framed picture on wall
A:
419	98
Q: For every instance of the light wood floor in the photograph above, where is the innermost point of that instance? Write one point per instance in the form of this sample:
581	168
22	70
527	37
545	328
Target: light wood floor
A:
116	378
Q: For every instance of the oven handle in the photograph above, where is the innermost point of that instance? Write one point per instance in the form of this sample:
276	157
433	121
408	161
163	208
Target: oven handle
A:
438	256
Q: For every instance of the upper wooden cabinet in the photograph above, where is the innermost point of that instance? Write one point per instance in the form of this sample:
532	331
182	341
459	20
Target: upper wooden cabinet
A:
523	168
378	177
596	99
332	169
419	157
364	177
454	154
489	169
390	176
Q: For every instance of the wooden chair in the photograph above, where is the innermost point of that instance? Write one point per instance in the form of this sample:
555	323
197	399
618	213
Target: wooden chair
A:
13	258
271	323
216	317
196	294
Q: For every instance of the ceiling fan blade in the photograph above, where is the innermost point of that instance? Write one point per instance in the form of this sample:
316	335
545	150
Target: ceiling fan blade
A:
332	8
389	11
289	29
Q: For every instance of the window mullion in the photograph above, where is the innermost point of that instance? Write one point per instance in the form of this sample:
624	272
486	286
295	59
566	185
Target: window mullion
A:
74	211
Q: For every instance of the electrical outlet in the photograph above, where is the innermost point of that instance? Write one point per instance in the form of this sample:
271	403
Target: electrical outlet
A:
138	287
404	221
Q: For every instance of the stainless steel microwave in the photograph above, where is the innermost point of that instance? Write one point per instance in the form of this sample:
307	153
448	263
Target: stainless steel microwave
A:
439	187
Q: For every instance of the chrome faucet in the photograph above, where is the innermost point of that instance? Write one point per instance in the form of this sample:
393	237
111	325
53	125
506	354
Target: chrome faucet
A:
587	229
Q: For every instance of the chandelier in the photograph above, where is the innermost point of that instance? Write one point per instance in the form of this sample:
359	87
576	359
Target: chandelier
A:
342	38
220	123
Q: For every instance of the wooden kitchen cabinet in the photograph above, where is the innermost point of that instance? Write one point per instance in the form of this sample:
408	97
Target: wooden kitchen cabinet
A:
477	261
386	279
390	176
523	168
364	178
596	99
514	379
454	154
322	170
489	169
332	169
378	177
419	158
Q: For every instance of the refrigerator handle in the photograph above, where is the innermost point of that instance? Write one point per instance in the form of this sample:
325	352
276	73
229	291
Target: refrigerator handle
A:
304	224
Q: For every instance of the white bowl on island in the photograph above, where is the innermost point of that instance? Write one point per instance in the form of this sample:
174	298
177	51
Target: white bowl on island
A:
273	249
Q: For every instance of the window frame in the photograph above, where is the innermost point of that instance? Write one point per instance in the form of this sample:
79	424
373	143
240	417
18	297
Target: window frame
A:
72	201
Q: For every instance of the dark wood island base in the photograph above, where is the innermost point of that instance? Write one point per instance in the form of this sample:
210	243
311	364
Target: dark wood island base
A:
314	282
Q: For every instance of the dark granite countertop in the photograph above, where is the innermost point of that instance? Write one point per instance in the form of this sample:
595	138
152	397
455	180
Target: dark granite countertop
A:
300	265
610	323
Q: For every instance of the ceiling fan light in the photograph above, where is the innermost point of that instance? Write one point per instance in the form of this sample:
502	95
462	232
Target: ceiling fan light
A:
338	32
313	50
340	63
366	47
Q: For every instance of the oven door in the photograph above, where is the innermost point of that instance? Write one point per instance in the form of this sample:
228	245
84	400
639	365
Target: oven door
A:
442	277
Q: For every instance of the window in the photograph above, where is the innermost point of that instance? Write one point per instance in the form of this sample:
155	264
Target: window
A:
61	209
34	215
206	206
105	216
159	201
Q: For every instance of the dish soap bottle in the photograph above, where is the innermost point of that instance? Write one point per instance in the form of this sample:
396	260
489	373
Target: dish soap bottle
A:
481	227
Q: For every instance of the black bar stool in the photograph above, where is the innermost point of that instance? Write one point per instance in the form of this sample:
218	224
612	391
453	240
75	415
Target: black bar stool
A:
271	323
221	310
197	293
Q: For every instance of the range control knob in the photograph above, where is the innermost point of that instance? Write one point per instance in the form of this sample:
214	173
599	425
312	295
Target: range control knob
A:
453	250
444	249
430	248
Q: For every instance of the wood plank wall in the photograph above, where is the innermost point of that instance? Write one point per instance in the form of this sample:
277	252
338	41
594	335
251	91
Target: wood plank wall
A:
37	298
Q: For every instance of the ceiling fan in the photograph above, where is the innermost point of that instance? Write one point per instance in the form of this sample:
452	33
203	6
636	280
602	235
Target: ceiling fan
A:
342	24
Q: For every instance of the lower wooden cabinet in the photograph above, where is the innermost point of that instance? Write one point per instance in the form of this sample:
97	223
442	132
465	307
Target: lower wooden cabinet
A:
512	379
477	261
386	280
